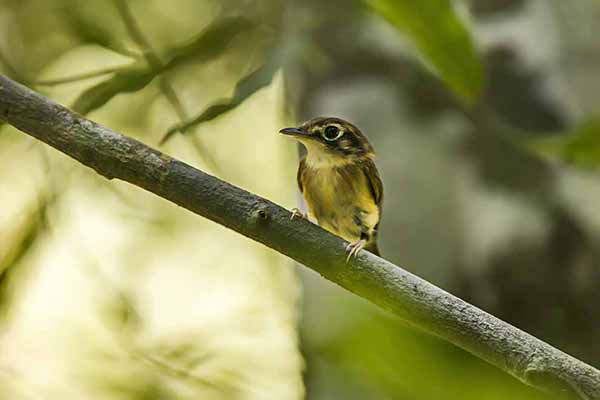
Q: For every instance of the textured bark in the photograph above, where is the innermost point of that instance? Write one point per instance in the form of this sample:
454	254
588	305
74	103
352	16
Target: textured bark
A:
418	302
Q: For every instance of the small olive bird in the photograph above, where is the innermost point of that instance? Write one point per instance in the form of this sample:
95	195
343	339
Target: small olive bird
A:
339	181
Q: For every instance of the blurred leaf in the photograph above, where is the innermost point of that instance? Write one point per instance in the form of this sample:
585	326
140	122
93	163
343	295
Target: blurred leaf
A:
88	32
23	242
78	77
441	37
129	79
377	350
249	85
209	43
10	263
581	147
90	25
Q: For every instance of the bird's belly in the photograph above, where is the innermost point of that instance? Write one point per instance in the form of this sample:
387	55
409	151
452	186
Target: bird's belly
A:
342	206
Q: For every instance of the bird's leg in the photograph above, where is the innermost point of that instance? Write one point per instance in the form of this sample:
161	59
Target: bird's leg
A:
354	248
296	212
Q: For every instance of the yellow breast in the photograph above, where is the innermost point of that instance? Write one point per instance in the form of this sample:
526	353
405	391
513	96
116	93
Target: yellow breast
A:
340	199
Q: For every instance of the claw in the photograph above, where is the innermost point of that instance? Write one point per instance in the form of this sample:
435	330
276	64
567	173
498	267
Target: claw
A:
354	248
297	213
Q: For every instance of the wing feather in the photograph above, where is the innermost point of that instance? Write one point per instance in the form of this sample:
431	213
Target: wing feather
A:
376	186
301	168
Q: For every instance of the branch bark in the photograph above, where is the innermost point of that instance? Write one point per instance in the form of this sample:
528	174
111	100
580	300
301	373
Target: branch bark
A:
420	303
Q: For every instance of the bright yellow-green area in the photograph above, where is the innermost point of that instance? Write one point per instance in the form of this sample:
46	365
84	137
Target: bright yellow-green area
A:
110	292
580	147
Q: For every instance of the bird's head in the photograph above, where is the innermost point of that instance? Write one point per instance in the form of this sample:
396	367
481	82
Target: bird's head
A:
331	140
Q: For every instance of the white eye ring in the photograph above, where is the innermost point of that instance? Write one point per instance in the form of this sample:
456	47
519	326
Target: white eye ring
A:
338	133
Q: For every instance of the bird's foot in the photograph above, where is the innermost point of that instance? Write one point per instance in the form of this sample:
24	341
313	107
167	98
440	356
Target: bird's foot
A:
296	212
354	248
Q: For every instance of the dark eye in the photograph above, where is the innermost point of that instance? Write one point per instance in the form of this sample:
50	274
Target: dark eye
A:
332	133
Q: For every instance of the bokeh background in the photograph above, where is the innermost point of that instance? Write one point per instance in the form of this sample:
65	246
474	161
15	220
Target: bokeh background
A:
484	114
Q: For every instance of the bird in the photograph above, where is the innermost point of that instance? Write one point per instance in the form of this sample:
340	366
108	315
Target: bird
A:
339	181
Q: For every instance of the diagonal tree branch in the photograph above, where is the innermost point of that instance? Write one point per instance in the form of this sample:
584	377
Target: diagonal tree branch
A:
387	285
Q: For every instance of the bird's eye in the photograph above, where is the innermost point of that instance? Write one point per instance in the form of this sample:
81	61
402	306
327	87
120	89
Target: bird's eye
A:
332	133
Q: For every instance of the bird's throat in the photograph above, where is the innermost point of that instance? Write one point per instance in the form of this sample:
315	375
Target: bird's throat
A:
317	158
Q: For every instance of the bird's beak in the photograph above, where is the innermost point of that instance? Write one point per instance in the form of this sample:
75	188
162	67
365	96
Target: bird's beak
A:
294	132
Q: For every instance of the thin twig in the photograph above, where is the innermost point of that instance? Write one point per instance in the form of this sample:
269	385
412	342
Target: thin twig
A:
172	97
133	29
174	371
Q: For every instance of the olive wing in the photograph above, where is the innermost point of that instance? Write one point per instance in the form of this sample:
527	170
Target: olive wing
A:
374	181
301	168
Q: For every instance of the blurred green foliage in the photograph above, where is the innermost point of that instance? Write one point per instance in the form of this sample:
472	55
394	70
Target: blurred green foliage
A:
580	147
125	80
442	38
244	88
418	364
